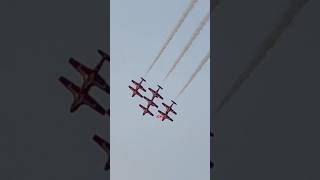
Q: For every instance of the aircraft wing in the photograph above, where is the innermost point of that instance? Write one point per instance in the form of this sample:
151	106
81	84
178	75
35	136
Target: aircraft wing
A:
150	113
174	112
142	88
104	55
74	89
101	83
102	143
94	105
105	146
135	82
135	92
162	113
153	91
83	70
160	96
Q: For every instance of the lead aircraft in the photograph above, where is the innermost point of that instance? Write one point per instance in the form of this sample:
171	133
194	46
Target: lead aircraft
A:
135	91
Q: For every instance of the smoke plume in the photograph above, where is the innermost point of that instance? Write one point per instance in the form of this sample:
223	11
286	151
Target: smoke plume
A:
173	32
188	45
204	60
268	43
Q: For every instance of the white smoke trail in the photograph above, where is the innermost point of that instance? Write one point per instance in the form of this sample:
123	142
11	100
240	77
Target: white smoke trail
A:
188	45
173	32
268	43
204	60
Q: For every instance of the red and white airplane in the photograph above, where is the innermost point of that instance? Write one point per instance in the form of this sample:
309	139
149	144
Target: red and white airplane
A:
80	97
150	101
164	115
91	77
169	108
155	93
105	146
135	91
146	110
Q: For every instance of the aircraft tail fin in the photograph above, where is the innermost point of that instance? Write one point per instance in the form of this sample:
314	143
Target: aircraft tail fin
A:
104	55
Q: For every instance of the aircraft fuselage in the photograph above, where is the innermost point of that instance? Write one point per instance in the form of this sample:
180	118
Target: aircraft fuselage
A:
89	81
78	100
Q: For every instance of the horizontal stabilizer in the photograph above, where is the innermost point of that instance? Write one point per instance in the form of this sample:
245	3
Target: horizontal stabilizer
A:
74	89
104	55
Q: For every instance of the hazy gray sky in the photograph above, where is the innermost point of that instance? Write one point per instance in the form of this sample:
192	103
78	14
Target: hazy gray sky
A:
142	147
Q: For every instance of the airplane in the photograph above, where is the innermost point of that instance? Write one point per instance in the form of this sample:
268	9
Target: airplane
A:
169	108
91	76
146	110
138	86
150	101
105	146
80	97
164	116
155	93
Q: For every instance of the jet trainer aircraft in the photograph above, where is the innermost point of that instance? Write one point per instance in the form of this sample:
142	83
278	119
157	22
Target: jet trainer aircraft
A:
81	97
155	93
168	110
135	91
91	76
146	110
105	146
150	101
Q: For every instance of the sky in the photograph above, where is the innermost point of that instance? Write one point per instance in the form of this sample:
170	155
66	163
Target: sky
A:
143	147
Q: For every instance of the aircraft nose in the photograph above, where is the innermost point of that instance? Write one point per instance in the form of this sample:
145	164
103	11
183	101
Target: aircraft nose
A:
73	108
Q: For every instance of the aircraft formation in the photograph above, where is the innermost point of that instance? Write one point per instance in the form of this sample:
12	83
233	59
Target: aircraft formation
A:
150	101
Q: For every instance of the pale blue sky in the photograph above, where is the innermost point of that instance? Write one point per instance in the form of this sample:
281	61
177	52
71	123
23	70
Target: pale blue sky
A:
142	147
